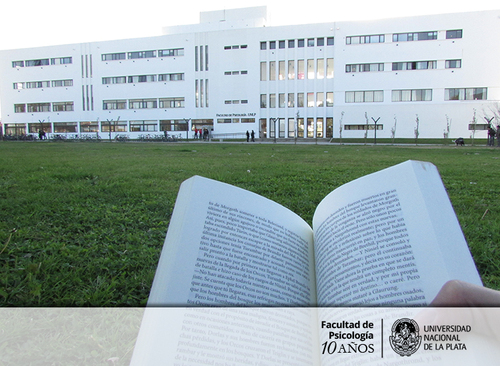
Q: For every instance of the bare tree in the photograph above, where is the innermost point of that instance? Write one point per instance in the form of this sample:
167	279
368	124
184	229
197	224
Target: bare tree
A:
416	129
393	129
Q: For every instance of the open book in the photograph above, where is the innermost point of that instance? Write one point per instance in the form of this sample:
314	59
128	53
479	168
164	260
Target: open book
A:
390	238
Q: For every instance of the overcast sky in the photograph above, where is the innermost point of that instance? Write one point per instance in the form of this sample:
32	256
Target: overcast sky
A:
33	23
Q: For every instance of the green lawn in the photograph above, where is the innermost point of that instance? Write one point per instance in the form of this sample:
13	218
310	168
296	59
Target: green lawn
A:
82	224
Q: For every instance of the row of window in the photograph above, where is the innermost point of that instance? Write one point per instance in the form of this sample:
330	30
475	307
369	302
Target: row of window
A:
42	84
290	100
145	103
142	78
201	58
44	107
407	65
299	43
415	95
297	127
242	72
403	37
236	120
43	62
201	93
236	47
243	101
291	69
142	54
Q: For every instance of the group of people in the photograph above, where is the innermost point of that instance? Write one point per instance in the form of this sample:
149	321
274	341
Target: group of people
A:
201	134
252	135
492	133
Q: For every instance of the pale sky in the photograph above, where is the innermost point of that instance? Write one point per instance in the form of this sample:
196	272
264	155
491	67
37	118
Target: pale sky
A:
34	23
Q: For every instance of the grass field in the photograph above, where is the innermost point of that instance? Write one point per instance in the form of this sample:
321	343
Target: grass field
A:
82	224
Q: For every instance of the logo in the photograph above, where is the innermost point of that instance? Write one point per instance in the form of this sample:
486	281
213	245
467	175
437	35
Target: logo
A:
404	338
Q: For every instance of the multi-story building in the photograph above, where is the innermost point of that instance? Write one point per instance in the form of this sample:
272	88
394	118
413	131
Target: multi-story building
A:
433	75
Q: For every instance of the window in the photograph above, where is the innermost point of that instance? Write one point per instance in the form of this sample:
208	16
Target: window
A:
65	127
174	125
263	71
62	106
451	34
272	70
171	52
172	102
37	84
281	100
300	127
272	100
300	70
35	127
291	127
329	68
414	65
171	77
272	45
17	63
329	41
412	95
364	67
143	103
310	69
376	38
291	100
320	99
61	61
38	107
465	94
142	79
320	42
41	62
141	54
143	126
18	86
329	99
291	70
419	36
86	127
263	101
291	43
19	108
319	127
113	56
300	43
60	83
367	96
114	104
310	42
300	100
453	64
281	70
310	100
320	68
114	126
114	80
263	45
363	127
281	44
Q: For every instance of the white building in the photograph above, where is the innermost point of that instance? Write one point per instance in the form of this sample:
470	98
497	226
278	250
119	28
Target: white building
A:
232	74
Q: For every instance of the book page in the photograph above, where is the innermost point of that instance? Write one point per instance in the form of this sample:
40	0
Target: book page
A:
227	336
226	246
389	238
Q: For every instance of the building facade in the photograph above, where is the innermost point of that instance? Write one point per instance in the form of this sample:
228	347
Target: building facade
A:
434	76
